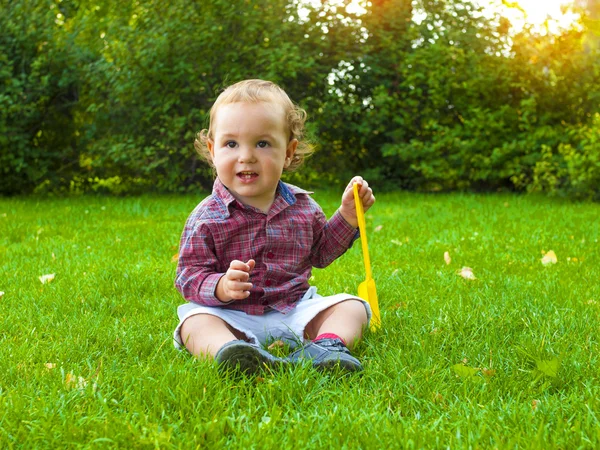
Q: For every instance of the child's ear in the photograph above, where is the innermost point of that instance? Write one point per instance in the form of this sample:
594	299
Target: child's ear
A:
210	145
289	153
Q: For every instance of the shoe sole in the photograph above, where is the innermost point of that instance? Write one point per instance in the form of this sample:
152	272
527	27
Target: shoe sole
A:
245	359
341	364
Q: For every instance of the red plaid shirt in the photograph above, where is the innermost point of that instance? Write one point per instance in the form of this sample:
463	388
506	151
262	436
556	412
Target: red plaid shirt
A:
286	244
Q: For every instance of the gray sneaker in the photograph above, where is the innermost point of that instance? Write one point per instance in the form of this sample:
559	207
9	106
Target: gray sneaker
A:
245	357
327	354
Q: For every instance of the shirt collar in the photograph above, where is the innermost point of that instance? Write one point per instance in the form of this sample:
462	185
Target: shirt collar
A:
287	192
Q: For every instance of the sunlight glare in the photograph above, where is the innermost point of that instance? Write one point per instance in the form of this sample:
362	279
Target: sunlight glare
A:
537	12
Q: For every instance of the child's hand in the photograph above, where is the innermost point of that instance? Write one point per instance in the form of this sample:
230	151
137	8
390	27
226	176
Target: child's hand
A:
348	208
234	284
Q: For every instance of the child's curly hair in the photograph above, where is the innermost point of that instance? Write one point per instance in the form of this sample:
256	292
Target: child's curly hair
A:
254	91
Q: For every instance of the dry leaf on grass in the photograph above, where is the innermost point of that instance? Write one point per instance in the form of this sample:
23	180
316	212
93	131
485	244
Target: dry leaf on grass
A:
1	294
50	366
73	381
447	258
175	257
378	228
467	273
488	372
549	258
276	344
45	279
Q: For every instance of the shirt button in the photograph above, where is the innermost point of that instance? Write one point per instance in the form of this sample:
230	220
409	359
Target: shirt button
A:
270	255
268	283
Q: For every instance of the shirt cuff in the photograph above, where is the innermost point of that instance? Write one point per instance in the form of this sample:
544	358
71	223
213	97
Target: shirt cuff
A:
344	233
208	289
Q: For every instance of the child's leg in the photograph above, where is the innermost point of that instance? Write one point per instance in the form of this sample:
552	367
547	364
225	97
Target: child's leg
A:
204	334
347	319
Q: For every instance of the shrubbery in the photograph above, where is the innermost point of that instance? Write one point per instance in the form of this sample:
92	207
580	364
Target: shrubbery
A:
107	96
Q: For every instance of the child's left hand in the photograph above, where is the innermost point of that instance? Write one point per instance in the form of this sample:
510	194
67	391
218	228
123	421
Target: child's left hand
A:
348	208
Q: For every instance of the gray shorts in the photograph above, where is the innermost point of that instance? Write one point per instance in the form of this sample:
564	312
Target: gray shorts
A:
272	325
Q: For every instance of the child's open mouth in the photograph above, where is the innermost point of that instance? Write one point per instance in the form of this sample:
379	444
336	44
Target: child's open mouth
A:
247	175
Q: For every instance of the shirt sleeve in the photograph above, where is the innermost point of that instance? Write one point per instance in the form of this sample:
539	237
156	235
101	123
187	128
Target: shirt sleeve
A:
197	275
331	238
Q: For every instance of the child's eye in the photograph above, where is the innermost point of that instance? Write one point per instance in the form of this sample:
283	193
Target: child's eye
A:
230	144
262	144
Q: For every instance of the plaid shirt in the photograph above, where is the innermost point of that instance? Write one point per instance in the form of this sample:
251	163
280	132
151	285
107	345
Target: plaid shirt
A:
285	243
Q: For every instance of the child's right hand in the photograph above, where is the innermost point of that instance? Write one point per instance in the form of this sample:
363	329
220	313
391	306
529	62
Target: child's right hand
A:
234	285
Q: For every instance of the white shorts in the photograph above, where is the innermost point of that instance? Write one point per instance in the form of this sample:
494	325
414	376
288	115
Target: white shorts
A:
272	325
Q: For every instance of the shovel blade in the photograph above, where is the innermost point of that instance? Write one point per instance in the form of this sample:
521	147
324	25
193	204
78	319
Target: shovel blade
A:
368	292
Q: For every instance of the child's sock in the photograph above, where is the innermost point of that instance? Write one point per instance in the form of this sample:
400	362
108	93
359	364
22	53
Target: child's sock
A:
327	336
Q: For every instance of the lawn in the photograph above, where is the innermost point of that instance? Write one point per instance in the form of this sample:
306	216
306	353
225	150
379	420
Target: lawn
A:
508	359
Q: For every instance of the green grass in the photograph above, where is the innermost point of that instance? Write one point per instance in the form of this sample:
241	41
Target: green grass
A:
108	317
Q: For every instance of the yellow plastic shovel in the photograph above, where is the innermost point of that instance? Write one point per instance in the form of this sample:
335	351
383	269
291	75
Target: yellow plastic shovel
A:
366	289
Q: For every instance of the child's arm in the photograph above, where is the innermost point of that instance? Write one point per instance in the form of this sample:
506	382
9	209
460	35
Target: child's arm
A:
199	279
332	238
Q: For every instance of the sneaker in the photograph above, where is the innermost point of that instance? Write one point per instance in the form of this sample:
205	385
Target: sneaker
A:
245	357
327	354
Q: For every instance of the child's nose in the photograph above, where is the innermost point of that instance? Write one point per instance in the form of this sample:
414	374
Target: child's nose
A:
246	155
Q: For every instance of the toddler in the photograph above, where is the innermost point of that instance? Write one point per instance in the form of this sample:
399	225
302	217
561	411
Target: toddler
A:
247	250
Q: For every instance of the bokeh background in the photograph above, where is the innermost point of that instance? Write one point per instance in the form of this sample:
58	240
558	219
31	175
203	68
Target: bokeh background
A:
427	95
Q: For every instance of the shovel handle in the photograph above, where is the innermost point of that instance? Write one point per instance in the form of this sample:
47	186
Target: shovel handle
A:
362	226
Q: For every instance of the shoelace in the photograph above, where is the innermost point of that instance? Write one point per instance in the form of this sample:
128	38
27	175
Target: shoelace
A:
334	344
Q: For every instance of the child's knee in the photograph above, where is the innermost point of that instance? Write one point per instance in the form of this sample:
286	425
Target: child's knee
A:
204	322
354	309
358	309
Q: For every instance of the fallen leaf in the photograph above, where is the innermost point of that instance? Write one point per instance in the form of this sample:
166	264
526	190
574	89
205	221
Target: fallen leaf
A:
1	294
50	366
548	367
464	371
438	398
447	258
276	344
73	381
549	258
378	228
488	372
467	273
397	242
175	257
401	305
45	279
535	404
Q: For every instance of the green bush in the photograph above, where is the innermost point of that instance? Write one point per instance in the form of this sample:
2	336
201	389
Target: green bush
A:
38	97
107	96
572	169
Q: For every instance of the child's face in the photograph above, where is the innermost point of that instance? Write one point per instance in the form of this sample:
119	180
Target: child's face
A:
250	150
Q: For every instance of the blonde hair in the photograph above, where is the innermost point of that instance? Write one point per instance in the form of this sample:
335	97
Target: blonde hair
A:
254	91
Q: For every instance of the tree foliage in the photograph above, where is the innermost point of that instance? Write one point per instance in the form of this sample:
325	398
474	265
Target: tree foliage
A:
427	95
